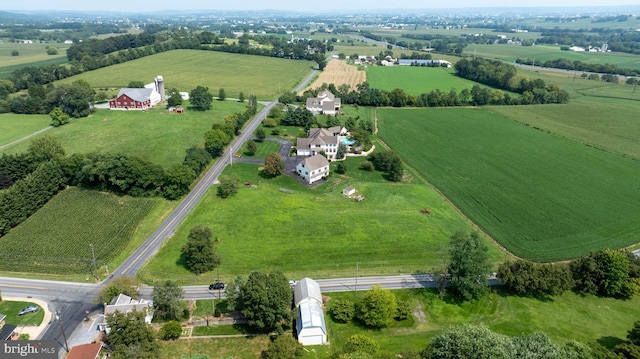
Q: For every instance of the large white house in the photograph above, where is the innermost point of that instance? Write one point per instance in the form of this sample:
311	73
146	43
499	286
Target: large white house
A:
124	304
321	140
325	103
313	168
310	325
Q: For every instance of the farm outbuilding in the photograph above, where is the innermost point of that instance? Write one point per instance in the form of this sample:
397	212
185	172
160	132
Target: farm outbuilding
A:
349	191
306	289
310	325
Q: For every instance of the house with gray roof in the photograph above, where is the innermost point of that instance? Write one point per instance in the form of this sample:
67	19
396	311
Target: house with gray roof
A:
324	103
321	140
139	98
311	328
313	168
124	304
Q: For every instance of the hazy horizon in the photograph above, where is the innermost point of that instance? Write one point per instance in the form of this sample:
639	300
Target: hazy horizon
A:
327	5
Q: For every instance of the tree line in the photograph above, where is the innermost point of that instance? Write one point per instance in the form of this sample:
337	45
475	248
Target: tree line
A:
578	65
618	40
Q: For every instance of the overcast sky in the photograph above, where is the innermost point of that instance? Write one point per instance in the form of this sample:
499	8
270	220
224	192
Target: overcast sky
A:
148	5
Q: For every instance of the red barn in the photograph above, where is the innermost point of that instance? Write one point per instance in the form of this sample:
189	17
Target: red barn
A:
135	99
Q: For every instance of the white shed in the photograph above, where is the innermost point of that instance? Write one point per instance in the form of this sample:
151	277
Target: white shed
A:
349	191
310	325
306	289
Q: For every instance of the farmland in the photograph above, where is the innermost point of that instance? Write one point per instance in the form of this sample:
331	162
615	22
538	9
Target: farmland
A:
547	52
338	72
510	179
158	135
416	80
264	229
186	69
30	55
57	238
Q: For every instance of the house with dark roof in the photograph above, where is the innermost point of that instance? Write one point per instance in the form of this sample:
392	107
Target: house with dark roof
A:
313	168
7	331
325	103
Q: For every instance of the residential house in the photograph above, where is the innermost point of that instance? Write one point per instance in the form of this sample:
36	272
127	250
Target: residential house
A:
124	304
325	103
7	331
310	325
313	168
85	351
321	140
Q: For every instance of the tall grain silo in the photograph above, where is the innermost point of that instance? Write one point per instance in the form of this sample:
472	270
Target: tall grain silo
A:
160	86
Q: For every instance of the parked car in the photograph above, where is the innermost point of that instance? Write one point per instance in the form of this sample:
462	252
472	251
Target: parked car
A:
216	285
29	309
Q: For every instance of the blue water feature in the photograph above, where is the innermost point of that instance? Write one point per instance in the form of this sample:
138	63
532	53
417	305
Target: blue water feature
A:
347	141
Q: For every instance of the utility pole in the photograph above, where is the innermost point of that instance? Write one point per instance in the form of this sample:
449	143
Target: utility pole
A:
230	156
218	280
356	287
66	345
93	256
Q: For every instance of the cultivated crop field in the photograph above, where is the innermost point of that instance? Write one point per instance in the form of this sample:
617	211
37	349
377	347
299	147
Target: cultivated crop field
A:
543	197
158	135
549	52
415	80
265	77
29	53
57	238
318	232
338	72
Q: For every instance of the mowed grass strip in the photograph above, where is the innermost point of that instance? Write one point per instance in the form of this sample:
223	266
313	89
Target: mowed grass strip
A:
563	318
543	197
57	238
236	348
317	232
14	127
158	135
416	80
264	77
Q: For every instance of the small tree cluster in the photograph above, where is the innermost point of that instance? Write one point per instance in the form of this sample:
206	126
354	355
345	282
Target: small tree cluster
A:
388	161
167	300
606	273
273	165
171	330
265	300
228	186
199	252
200	98
130	336
120	285
468	267
539	280
284	346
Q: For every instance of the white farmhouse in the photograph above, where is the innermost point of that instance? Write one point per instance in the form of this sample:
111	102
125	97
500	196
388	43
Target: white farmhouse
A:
325	103
321	140
313	168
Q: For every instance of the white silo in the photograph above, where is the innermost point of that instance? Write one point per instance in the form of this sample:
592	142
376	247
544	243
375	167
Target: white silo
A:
160	86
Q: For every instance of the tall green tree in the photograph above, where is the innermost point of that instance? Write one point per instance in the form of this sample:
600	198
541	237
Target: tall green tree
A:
265	300
260	135
197	158
468	267
201	98
603	273
45	148
377	307
284	347
222	95
273	165
130	337
214	142
251	147
228	186
167	300
175	99
120	285
199	252
58	117
178	179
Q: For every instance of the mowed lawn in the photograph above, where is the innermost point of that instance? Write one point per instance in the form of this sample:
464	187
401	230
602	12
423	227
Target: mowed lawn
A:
416	80
57	239
158	135
264	77
543	197
14	127
563	318
317	232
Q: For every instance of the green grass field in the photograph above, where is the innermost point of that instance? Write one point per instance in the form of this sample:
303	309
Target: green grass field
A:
563	318
549	52
158	135
263	149
318	232
11	309
236	348
57	238
29	53
416	80
14	127
543	197
265	77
